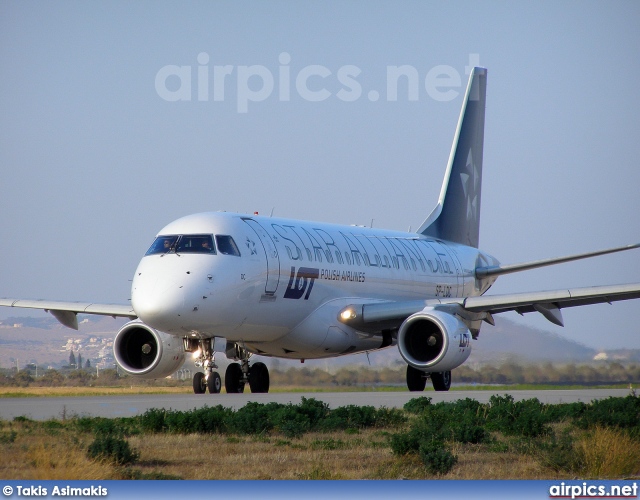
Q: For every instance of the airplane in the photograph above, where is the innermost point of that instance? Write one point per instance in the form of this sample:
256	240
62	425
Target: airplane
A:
292	289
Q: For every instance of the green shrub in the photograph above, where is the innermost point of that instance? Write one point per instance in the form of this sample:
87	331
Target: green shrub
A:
153	420
208	420
524	418
291	421
102	425
623	413
417	405
420	432
436	457
112	449
389	417
315	410
564	411
204	420
349	417
465	432
253	418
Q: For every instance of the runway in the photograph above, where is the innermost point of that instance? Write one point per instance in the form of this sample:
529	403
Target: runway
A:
127	406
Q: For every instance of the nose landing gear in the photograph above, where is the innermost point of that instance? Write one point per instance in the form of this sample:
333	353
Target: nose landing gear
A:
205	358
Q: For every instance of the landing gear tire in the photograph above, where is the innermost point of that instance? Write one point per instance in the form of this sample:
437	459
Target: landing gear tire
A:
233	381
214	383
259	378
199	383
416	379
441	380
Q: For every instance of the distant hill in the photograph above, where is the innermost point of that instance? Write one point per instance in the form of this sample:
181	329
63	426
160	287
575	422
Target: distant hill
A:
45	341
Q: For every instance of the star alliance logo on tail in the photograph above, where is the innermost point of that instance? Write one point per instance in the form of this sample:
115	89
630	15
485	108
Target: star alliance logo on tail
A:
470	184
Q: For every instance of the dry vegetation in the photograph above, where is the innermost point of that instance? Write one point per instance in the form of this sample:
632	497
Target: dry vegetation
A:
338	455
596	442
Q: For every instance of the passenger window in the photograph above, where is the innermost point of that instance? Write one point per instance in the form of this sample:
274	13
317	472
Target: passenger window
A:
226	245
196	243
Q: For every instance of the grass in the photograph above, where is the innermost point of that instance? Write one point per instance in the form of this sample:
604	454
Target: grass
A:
609	453
338	455
29	392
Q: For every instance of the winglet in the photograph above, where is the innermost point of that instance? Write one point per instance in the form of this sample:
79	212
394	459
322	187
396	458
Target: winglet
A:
456	217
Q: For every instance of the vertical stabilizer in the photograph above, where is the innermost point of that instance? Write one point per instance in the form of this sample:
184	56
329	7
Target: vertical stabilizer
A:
456	217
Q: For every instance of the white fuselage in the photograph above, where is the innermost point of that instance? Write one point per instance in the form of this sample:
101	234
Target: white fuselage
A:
281	295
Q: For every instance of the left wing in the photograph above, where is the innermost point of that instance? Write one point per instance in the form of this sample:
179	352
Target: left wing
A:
67	312
380	315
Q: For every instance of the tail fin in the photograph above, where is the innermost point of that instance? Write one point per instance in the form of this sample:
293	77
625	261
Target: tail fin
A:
456	217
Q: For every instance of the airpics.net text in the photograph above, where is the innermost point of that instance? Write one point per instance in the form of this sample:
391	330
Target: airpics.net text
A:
313	83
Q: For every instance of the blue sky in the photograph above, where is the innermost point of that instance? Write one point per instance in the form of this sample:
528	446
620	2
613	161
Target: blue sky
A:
94	159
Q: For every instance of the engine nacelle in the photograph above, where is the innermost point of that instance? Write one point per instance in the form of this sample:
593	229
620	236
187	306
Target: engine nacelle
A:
434	341
144	352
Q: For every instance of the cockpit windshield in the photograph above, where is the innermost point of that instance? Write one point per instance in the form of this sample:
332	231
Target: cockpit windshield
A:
195	243
163	244
186	243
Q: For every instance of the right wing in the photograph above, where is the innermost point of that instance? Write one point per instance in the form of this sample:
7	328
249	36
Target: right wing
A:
381	315
67	312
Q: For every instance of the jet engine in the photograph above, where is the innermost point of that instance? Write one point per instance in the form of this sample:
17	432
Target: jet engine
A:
144	352
434	341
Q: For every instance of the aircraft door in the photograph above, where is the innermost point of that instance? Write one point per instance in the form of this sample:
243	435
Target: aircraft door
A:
273	261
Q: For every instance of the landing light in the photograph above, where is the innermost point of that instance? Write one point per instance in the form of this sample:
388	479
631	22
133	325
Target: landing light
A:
347	314
196	353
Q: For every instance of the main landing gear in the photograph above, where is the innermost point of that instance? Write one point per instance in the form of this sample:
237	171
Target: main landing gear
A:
239	374
417	379
210	379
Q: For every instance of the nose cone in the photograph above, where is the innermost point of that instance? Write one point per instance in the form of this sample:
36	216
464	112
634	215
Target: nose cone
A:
158	301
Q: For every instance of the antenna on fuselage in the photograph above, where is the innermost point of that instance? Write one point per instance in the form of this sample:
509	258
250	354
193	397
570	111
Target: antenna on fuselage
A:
271	215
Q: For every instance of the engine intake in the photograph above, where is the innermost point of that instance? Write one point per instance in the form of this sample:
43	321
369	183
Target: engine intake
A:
434	341
144	352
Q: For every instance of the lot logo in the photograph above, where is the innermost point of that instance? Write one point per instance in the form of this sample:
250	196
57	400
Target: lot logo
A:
465	340
301	282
